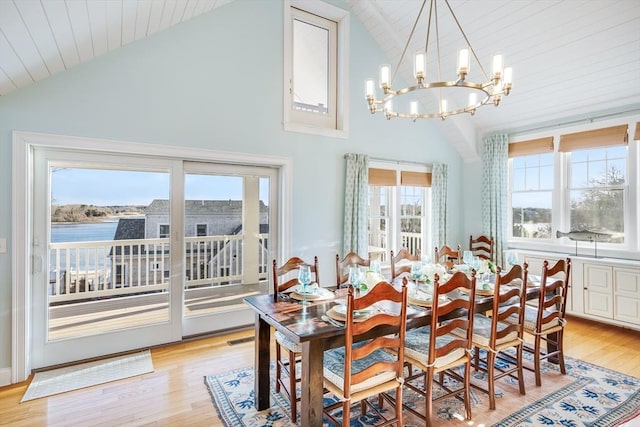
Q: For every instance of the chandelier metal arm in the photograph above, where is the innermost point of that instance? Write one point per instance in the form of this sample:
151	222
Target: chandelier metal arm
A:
406	45
466	39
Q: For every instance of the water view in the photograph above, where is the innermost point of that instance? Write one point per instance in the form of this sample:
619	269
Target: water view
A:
83	232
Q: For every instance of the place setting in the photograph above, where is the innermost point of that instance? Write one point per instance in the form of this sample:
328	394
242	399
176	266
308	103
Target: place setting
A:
305	290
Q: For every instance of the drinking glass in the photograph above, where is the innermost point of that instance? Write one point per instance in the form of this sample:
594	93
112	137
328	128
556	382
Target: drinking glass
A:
416	271
467	257
304	278
375	266
355	277
512	258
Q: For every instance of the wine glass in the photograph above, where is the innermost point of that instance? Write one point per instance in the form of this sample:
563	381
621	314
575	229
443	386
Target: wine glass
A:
512	258
416	271
467	257
304	278
355	276
375	266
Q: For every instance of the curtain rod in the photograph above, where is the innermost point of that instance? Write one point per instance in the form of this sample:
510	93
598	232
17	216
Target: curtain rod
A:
572	122
398	162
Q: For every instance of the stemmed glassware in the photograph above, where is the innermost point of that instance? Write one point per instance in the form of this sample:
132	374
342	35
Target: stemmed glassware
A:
512	258
416	271
467	257
304	278
355	276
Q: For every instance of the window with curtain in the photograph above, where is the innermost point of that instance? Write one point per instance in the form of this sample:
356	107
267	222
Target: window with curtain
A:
596	164
399	203
531	187
583	185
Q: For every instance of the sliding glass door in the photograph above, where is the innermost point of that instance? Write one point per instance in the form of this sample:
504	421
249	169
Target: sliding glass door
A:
134	251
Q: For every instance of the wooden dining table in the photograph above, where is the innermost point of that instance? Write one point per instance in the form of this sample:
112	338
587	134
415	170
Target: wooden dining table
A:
306	323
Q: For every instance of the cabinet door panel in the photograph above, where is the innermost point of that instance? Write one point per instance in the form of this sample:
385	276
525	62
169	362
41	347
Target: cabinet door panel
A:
627	295
598	290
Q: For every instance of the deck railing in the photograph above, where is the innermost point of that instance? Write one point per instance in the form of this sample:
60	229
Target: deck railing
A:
378	244
90	270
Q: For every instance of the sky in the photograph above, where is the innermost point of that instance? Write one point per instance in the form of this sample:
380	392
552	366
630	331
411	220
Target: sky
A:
117	188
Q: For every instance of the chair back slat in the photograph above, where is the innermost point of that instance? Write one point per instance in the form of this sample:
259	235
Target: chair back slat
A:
447	256
482	246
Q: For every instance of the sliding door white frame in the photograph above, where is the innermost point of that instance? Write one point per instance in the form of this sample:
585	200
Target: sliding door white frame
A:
22	183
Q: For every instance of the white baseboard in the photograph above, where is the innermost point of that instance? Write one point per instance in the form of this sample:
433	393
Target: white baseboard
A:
5	376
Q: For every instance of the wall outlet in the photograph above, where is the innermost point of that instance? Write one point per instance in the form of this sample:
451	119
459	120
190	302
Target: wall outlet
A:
3	245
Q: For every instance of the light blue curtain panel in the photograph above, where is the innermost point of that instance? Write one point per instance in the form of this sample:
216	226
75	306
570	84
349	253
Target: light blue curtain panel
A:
439	204
356	192
495	158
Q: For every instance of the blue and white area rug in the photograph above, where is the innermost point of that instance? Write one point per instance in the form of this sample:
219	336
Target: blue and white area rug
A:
588	395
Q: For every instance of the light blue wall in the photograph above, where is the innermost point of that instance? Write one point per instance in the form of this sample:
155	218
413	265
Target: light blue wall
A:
216	82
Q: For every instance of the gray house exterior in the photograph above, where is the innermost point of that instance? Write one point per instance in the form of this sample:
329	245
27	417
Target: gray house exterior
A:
208	260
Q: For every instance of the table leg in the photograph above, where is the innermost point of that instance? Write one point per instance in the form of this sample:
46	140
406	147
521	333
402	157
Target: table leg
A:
262	362
312	383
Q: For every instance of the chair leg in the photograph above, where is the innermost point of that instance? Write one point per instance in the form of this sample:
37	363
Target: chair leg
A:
476	359
428	389
467	390
491	360
561	353
519	355
346	413
399	406
293	394
278	367
536	360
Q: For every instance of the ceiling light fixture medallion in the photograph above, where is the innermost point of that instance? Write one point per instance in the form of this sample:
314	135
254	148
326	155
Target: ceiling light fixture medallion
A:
488	92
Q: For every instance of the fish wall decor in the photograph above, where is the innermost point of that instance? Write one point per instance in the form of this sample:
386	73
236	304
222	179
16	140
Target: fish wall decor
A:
585	236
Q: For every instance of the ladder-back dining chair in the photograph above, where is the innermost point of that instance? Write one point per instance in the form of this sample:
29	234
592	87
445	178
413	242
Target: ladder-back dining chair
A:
482	247
493	335
546	321
447	256
282	281
403	254
435	349
342	272
366	368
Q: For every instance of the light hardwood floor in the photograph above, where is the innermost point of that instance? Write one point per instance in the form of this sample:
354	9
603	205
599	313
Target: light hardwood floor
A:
175	394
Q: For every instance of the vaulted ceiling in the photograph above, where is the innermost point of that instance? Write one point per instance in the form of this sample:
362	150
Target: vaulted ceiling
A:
572	60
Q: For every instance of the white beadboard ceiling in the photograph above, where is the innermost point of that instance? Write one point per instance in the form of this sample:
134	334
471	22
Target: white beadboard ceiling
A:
571	59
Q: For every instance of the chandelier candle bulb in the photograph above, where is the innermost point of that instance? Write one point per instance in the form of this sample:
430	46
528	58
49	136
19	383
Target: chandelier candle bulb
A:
507	79
419	65
498	64
473	99
370	90
414	108
384	76
443	107
463	63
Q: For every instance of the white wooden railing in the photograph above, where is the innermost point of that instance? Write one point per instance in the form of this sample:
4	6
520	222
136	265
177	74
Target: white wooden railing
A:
88	270
378	244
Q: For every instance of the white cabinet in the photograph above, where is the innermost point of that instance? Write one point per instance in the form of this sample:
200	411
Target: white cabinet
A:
598	290
626	293
601	289
612	292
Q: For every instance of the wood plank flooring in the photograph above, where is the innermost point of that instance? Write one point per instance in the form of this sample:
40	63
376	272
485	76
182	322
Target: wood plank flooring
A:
175	394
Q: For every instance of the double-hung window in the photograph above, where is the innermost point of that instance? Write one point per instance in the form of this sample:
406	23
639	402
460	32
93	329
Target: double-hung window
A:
596	165
531	187
315	68
586	184
399	206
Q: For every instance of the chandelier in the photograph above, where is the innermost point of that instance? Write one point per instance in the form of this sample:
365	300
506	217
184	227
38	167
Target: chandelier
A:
464	96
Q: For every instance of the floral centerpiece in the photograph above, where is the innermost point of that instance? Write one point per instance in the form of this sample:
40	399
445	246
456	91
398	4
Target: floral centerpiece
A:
429	270
486	267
